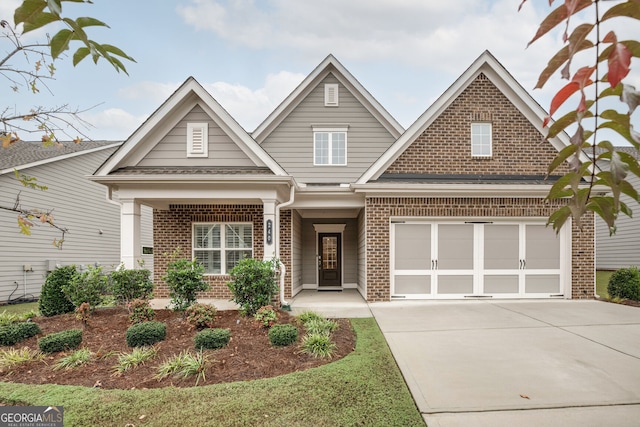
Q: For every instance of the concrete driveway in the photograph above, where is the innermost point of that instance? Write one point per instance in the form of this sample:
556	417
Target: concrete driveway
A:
517	363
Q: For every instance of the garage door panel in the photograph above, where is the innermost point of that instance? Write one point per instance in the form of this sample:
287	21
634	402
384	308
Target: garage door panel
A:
542	284
455	285
542	247
502	284
501	246
413	247
412	284
455	247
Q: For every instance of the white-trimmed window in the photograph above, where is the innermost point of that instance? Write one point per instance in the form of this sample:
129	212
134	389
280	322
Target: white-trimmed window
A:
330	147
481	140
331	98
219	246
197	140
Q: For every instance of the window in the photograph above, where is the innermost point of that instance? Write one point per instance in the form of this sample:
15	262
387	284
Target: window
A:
331	95
330	147
219	247
481	139
197	140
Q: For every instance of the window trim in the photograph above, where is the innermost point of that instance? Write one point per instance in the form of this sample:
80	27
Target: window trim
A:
192	129
474	145
330	130
222	249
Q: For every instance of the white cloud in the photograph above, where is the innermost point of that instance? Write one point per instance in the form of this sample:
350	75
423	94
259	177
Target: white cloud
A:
154	92
113	123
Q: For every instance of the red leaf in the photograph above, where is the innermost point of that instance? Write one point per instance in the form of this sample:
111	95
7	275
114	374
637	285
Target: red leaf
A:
610	37
562	95
619	62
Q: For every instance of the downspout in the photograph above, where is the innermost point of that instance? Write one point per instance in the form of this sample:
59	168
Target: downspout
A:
283	270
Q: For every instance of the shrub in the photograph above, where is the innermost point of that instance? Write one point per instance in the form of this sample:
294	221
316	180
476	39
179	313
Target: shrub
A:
212	339
9	318
307	316
60	341
86	287
267	316
625	283
13	357
320	326
253	284
283	335
140	311
185	365
201	315
134	359
17	332
146	333
52	300
128	285
75	359
318	345
184	279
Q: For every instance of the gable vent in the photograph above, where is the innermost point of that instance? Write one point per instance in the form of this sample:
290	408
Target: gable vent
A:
331	95
197	140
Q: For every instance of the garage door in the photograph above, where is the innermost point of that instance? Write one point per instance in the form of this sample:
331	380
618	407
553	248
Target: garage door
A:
502	259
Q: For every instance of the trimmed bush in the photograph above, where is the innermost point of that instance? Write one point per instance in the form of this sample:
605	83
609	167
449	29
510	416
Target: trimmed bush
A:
253	284
17	332
128	285
266	316
60	341
625	283
88	287
52	300
184	279
146	333
212	339
140	311
283	335
320	326
201	315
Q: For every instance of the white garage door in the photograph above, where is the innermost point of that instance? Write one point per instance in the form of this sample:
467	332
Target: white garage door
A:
502	259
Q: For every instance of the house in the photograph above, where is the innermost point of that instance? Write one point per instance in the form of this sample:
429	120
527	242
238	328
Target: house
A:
332	186
621	249
81	206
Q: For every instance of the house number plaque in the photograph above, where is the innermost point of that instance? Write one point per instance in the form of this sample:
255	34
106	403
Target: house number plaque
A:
269	232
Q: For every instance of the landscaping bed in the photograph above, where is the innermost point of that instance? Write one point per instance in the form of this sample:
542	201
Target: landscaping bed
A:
248	356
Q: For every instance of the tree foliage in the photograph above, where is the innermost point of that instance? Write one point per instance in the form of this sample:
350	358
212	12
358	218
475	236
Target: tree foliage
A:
595	87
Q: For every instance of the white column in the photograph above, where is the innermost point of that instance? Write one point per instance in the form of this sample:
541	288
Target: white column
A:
130	240
269	228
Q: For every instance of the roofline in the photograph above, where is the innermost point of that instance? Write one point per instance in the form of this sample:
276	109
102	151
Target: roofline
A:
453	190
486	63
189	85
188	178
362	94
60	157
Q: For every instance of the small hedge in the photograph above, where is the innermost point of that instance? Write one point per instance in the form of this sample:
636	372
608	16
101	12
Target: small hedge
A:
212	339
60	341
625	283
146	333
52	300
283	335
17	332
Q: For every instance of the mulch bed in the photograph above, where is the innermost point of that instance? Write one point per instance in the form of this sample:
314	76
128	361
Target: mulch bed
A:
248	356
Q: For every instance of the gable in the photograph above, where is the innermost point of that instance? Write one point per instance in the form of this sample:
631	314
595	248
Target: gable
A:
172	150
291	142
444	147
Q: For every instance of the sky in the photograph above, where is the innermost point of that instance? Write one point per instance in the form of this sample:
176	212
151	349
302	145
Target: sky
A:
251	54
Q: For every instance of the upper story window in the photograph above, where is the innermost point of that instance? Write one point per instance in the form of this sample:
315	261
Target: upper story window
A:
218	247
481	140
197	140
331	95
330	147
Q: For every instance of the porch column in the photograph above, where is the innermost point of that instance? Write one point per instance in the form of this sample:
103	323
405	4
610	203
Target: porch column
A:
130	240
269	228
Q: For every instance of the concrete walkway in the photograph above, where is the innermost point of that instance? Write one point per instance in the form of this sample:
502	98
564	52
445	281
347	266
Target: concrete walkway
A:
517	363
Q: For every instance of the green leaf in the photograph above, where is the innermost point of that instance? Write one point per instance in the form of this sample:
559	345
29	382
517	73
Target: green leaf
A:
563	55
28	11
90	22
629	9
80	54
631	161
571	117
79	33
558	218
117	51
629	190
60	42
632	45
39	20
622	130
563	155
55	6
556	17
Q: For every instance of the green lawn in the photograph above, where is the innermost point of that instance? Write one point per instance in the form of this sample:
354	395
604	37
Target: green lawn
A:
602	279
19	308
364	388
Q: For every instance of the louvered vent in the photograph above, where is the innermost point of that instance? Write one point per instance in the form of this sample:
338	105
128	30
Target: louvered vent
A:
197	140
330	95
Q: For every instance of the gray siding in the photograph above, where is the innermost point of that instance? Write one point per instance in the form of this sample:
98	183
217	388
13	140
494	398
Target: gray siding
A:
172	148
291	143
349	249
362	253
296	252
623	248
78	204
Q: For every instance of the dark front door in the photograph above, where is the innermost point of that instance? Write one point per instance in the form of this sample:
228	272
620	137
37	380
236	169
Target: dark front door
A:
329	260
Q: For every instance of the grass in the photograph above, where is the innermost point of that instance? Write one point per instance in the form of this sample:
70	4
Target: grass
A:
77	358
13	357
364	388
185	365
602	279
19	308
136	358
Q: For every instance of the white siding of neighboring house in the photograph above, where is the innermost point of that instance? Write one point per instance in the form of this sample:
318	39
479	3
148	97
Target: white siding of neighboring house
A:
172	148
78	204
623	248
291	143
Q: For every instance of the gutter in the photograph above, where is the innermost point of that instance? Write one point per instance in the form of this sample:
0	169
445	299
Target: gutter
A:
283	270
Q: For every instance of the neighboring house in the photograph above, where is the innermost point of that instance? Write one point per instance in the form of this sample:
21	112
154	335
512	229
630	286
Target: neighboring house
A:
77	204
332	186
621	249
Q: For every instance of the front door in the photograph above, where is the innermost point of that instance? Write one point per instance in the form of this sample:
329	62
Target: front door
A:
329	260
